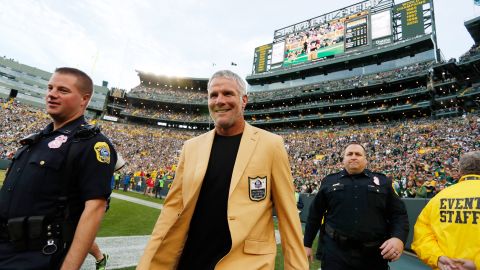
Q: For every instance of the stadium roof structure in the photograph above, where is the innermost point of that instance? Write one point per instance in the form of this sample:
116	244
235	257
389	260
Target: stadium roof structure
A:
148	78
28	70
28	84
473	27
349	61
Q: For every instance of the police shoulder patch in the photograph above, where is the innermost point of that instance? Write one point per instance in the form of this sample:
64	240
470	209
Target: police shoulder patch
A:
102	150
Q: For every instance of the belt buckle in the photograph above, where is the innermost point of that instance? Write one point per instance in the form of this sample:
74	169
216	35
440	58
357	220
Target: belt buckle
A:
50	247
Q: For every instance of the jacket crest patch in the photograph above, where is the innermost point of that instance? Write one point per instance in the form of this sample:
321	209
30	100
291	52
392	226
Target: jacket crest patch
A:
257	187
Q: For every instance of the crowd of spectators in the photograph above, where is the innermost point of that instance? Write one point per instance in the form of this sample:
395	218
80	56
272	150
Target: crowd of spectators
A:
17	121
382	103
199	96
335	85
170	94
167	114
424	151
421	156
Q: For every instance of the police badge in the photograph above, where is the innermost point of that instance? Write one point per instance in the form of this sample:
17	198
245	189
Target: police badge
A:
102	151
376	181
257	188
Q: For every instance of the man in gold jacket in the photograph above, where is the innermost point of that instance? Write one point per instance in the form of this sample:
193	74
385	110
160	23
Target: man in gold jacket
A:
218	213
447	232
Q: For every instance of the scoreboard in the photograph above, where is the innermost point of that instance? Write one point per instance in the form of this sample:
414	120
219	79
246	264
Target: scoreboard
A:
356	33
411	13
359	27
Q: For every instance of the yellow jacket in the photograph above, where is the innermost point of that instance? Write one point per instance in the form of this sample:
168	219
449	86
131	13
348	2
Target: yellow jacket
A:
250	222
449	225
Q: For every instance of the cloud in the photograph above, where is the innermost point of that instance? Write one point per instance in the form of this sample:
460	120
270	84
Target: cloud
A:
111	39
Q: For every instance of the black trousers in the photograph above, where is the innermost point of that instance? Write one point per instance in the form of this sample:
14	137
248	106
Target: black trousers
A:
336	257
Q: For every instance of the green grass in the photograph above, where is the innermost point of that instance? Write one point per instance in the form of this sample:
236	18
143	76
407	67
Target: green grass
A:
139	196
126	219
323	52
115	223
279	258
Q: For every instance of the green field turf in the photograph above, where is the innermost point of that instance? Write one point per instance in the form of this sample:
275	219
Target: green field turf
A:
324	52
279	259
115	223
127	218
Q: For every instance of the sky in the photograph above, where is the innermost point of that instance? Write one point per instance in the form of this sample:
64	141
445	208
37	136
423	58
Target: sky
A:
111	39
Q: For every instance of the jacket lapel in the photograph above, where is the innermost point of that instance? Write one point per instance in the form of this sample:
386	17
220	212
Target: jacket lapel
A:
200	158
246	149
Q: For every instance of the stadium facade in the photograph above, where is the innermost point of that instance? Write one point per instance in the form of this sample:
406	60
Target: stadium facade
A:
374	61
369	62
28	84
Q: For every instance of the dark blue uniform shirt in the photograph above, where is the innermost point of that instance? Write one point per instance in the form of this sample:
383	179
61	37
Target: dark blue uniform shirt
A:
362	207
33	183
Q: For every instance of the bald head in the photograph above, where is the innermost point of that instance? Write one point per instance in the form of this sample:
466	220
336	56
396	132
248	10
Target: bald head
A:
470	163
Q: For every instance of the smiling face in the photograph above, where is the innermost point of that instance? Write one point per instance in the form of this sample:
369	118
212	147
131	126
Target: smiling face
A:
226	105
354	159
64	100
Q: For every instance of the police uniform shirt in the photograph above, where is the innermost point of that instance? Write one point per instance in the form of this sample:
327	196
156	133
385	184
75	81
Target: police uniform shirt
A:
362	207
34	181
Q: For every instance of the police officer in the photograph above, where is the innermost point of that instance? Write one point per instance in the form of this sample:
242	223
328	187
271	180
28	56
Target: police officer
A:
54	194
365	222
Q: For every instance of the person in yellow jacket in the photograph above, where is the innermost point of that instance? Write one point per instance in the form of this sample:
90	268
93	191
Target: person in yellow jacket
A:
447	231
218	213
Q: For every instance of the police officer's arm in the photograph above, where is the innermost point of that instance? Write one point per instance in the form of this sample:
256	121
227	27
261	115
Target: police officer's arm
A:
314	220
93	170
85	233
397	218
284	200
424	240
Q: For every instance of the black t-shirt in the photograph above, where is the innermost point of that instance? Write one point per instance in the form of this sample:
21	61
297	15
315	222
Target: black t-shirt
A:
209	236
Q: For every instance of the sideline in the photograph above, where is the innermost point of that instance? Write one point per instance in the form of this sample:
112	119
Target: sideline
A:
125	251
137	201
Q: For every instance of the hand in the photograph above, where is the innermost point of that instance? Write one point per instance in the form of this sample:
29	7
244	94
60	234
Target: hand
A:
309	252
446	263
465	264
392	249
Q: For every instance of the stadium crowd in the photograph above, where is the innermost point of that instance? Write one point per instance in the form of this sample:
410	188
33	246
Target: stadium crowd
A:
380	102
17	121
423	152
166	114
419	155
172	94
351	82
169	94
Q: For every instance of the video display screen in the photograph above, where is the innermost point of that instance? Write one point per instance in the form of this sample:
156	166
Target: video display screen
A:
315	43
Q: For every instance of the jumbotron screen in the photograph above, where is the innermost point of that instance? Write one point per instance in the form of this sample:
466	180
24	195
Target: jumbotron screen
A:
317	42
358	27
